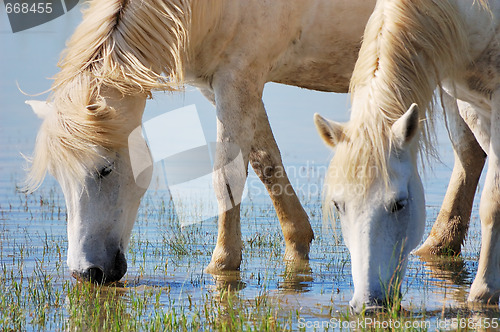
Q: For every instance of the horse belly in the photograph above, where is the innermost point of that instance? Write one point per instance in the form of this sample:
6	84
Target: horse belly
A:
330	74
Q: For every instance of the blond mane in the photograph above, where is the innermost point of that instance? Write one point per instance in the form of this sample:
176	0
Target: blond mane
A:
409	47
131	46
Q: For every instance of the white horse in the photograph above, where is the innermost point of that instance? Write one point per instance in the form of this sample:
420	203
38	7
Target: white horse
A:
409	49
124	49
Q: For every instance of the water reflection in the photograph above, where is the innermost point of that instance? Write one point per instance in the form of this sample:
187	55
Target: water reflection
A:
449	276
452	269
229	281
297	277
226	299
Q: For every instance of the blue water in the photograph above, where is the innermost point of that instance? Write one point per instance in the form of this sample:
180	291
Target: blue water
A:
28	59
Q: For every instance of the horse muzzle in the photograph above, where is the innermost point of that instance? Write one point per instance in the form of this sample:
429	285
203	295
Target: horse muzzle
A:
374	304
370	307
100	275
368	302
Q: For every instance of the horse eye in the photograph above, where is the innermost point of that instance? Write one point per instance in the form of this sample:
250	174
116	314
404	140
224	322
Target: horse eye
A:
105	171
399	205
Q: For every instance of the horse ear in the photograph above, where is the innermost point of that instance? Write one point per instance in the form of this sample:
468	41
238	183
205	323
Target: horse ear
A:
406	127
330	131
41	108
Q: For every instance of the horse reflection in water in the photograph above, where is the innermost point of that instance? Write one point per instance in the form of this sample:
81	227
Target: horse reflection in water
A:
448	277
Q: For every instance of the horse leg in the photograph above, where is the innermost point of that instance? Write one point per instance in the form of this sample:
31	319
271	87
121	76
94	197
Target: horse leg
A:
486	285
449	230
265	159
237	98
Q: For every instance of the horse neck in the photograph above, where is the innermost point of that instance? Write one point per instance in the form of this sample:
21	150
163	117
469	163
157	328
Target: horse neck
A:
408	48
210	29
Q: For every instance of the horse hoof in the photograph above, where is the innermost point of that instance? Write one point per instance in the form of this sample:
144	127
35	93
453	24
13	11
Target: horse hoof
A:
216	268
223	261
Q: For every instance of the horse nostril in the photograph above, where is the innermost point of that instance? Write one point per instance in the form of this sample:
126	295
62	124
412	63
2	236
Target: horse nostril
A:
92	274
96	275
372	307
119	268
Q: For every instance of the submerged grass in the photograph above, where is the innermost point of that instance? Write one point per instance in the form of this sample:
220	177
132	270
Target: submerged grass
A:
166	289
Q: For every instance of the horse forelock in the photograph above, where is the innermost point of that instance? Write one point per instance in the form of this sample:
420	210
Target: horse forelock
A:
72	141
75	133
408	48
354	166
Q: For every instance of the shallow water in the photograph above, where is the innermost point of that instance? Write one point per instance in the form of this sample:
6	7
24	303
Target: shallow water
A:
166	261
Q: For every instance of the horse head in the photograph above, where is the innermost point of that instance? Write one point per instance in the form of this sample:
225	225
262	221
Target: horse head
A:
87	150
381	221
